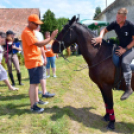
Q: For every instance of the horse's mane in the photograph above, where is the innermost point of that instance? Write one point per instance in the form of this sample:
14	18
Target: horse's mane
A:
88	30
105	44
94	35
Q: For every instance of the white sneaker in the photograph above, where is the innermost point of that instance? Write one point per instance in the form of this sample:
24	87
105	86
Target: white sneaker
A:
54	76
47	76
14	89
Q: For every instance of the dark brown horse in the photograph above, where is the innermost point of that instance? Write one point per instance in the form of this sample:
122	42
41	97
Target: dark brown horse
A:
103	73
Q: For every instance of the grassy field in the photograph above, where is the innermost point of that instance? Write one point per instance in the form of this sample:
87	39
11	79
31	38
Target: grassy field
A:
77	107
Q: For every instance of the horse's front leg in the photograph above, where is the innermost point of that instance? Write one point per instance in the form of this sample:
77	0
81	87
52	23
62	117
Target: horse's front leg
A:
108	99
106	117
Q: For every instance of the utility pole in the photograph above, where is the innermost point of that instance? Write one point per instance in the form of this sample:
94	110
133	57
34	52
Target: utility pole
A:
106	17
78	17
106	4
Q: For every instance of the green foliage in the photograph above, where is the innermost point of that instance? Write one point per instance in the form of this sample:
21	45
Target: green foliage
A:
97	11
77	107
65	52
21	58
51	23
61	22
115	40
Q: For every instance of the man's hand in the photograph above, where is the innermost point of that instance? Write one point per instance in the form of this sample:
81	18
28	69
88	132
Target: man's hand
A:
13	46
120	51
54	33
96	41
57	56
45	61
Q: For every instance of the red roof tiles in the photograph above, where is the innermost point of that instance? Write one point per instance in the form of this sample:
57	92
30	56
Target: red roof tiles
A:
15	19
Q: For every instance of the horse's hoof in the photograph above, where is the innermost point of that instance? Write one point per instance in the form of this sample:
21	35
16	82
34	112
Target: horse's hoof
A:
111	125
106	118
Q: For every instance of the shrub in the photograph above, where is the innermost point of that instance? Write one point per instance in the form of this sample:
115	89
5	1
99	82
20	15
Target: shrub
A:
67	52
21	58
114	40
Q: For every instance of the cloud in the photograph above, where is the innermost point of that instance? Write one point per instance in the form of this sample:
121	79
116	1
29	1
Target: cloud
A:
7	1
1	6
68	8
62	8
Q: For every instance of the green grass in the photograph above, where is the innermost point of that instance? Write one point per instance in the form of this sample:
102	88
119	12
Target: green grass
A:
77	107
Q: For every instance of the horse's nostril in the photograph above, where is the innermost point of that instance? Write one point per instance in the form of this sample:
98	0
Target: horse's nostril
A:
55	47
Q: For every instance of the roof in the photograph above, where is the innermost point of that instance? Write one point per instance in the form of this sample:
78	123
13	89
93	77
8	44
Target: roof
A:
15	19
105	10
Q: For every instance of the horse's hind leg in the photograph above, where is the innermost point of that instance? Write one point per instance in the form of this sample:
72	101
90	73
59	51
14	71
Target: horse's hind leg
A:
108	99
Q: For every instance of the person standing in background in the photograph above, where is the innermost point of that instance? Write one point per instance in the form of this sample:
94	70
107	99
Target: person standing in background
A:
11	57
44	92
51	57
3	73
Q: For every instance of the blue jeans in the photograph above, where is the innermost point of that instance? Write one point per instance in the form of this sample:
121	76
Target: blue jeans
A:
51	61
116	60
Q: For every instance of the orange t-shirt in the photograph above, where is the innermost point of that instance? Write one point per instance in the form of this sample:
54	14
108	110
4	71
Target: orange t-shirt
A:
48	50
32	54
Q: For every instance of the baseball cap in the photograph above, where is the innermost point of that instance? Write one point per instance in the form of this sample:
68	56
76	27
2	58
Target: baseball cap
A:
10	32
34	18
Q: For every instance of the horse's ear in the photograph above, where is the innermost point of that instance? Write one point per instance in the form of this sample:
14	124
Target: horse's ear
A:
72	20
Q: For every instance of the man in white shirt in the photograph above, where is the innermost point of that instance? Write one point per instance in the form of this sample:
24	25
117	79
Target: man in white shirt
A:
40	37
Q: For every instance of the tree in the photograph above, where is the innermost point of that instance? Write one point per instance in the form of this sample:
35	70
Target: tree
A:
50	22
97	11
61	22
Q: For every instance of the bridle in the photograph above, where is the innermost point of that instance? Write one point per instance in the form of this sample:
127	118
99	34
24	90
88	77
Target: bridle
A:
61	42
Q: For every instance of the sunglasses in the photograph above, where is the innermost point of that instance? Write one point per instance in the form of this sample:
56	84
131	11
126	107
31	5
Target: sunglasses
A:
35	24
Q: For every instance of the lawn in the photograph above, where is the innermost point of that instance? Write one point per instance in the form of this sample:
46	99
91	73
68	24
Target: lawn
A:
77	107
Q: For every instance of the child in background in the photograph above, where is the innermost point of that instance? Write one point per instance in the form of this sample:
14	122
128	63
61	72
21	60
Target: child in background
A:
51	57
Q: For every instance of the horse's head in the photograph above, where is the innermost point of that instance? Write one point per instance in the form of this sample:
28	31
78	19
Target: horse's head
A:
66	37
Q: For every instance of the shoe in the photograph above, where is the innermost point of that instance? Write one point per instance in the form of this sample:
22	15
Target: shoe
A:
13	84
47	76
21	84
14	89
37	109
39	92
54	76
40	102
48	95
127	93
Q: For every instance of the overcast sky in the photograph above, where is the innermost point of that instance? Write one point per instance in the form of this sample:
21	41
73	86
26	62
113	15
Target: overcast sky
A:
61	8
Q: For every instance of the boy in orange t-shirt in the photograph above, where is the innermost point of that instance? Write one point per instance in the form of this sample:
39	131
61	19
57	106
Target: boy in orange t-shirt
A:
32	57
51	57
